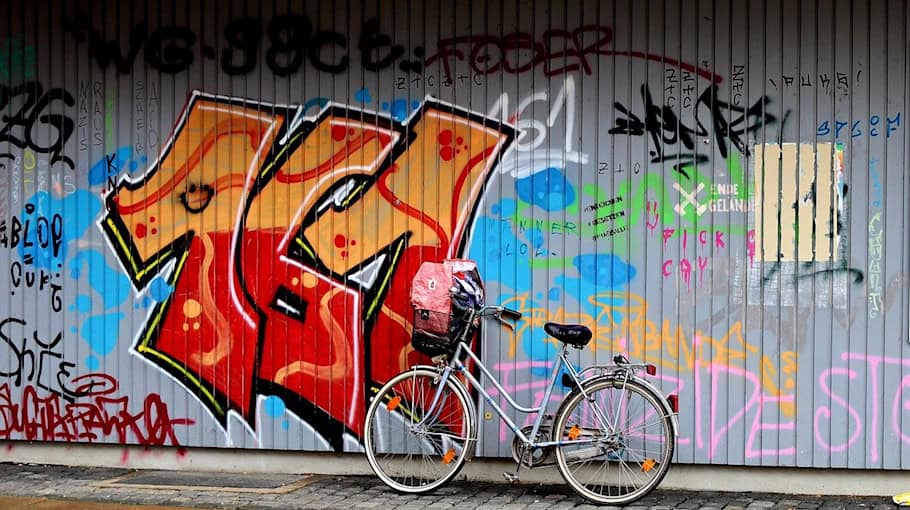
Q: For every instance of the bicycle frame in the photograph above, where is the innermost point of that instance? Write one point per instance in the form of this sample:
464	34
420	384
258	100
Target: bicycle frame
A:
455	365
624	373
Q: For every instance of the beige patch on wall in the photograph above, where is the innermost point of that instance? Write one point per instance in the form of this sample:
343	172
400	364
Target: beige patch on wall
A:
797	201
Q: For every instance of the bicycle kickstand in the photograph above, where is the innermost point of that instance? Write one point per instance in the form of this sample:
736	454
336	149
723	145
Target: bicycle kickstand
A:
513	477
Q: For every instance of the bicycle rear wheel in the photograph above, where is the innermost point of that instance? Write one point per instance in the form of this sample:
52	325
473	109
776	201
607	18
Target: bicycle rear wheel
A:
412	447
616	445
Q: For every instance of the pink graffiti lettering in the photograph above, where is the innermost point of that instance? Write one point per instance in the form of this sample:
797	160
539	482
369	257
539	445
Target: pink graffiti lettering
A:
717	432
651	210
750	245
757	427
703	240
878	397
684	264
702	264
685	268
824	412
899	404
719	240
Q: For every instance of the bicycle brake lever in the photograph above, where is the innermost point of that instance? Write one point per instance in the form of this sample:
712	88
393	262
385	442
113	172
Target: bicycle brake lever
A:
498	316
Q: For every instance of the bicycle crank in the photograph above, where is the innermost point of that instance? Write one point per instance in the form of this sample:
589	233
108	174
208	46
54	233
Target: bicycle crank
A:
533	457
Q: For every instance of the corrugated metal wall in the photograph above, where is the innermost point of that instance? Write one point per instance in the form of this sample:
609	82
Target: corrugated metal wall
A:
210	214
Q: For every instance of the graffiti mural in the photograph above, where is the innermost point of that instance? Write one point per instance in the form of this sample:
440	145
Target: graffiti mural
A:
210	215
354	224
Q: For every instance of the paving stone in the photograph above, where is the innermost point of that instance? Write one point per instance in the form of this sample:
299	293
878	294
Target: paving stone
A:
359	492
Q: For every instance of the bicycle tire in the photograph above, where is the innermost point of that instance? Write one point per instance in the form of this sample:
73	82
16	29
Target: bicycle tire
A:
617	446
390	441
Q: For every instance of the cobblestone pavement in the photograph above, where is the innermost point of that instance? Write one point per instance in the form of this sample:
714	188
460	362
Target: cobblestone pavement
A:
78	484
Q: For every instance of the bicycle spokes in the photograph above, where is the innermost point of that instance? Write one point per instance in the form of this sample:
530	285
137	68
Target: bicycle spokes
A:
616	442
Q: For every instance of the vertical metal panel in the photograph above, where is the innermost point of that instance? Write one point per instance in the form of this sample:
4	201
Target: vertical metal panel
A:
211	212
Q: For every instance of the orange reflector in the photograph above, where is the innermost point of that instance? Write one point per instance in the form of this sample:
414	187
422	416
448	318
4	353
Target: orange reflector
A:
393	404
648	465
574	432
449	456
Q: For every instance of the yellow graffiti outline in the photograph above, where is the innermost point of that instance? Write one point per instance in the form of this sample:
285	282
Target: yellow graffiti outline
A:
305	247
268	168
385	281
152	324
130	257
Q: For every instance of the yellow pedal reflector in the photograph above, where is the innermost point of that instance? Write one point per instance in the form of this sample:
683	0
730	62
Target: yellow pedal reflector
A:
574	432
449	456
393	404
648	465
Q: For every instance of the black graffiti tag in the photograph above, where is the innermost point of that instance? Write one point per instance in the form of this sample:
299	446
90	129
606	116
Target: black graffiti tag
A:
290	40
26	111
729	125
37	360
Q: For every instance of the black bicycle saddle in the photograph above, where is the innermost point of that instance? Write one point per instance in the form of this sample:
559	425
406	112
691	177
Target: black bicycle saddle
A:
572	334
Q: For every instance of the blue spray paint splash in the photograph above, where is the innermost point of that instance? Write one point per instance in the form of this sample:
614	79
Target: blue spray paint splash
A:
599	273
159	289
111	284
101	332
363	96
83	304
505	208
604	270
548	189
76	213
535	236
273	406
398	108
317	102
555	293
508	266
111	165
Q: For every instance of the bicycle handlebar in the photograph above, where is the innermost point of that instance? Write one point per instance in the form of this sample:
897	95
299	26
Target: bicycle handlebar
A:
500	313
512	314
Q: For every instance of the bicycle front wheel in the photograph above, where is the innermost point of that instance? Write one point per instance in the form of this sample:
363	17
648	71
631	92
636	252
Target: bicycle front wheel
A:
616	444
413	444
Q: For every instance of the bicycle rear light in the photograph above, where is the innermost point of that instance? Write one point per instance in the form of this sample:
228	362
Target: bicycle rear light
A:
651	369
674	402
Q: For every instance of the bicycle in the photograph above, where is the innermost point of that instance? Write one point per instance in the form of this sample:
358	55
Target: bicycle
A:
427	412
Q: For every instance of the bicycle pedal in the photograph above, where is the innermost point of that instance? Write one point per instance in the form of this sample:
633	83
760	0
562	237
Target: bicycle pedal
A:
510	477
